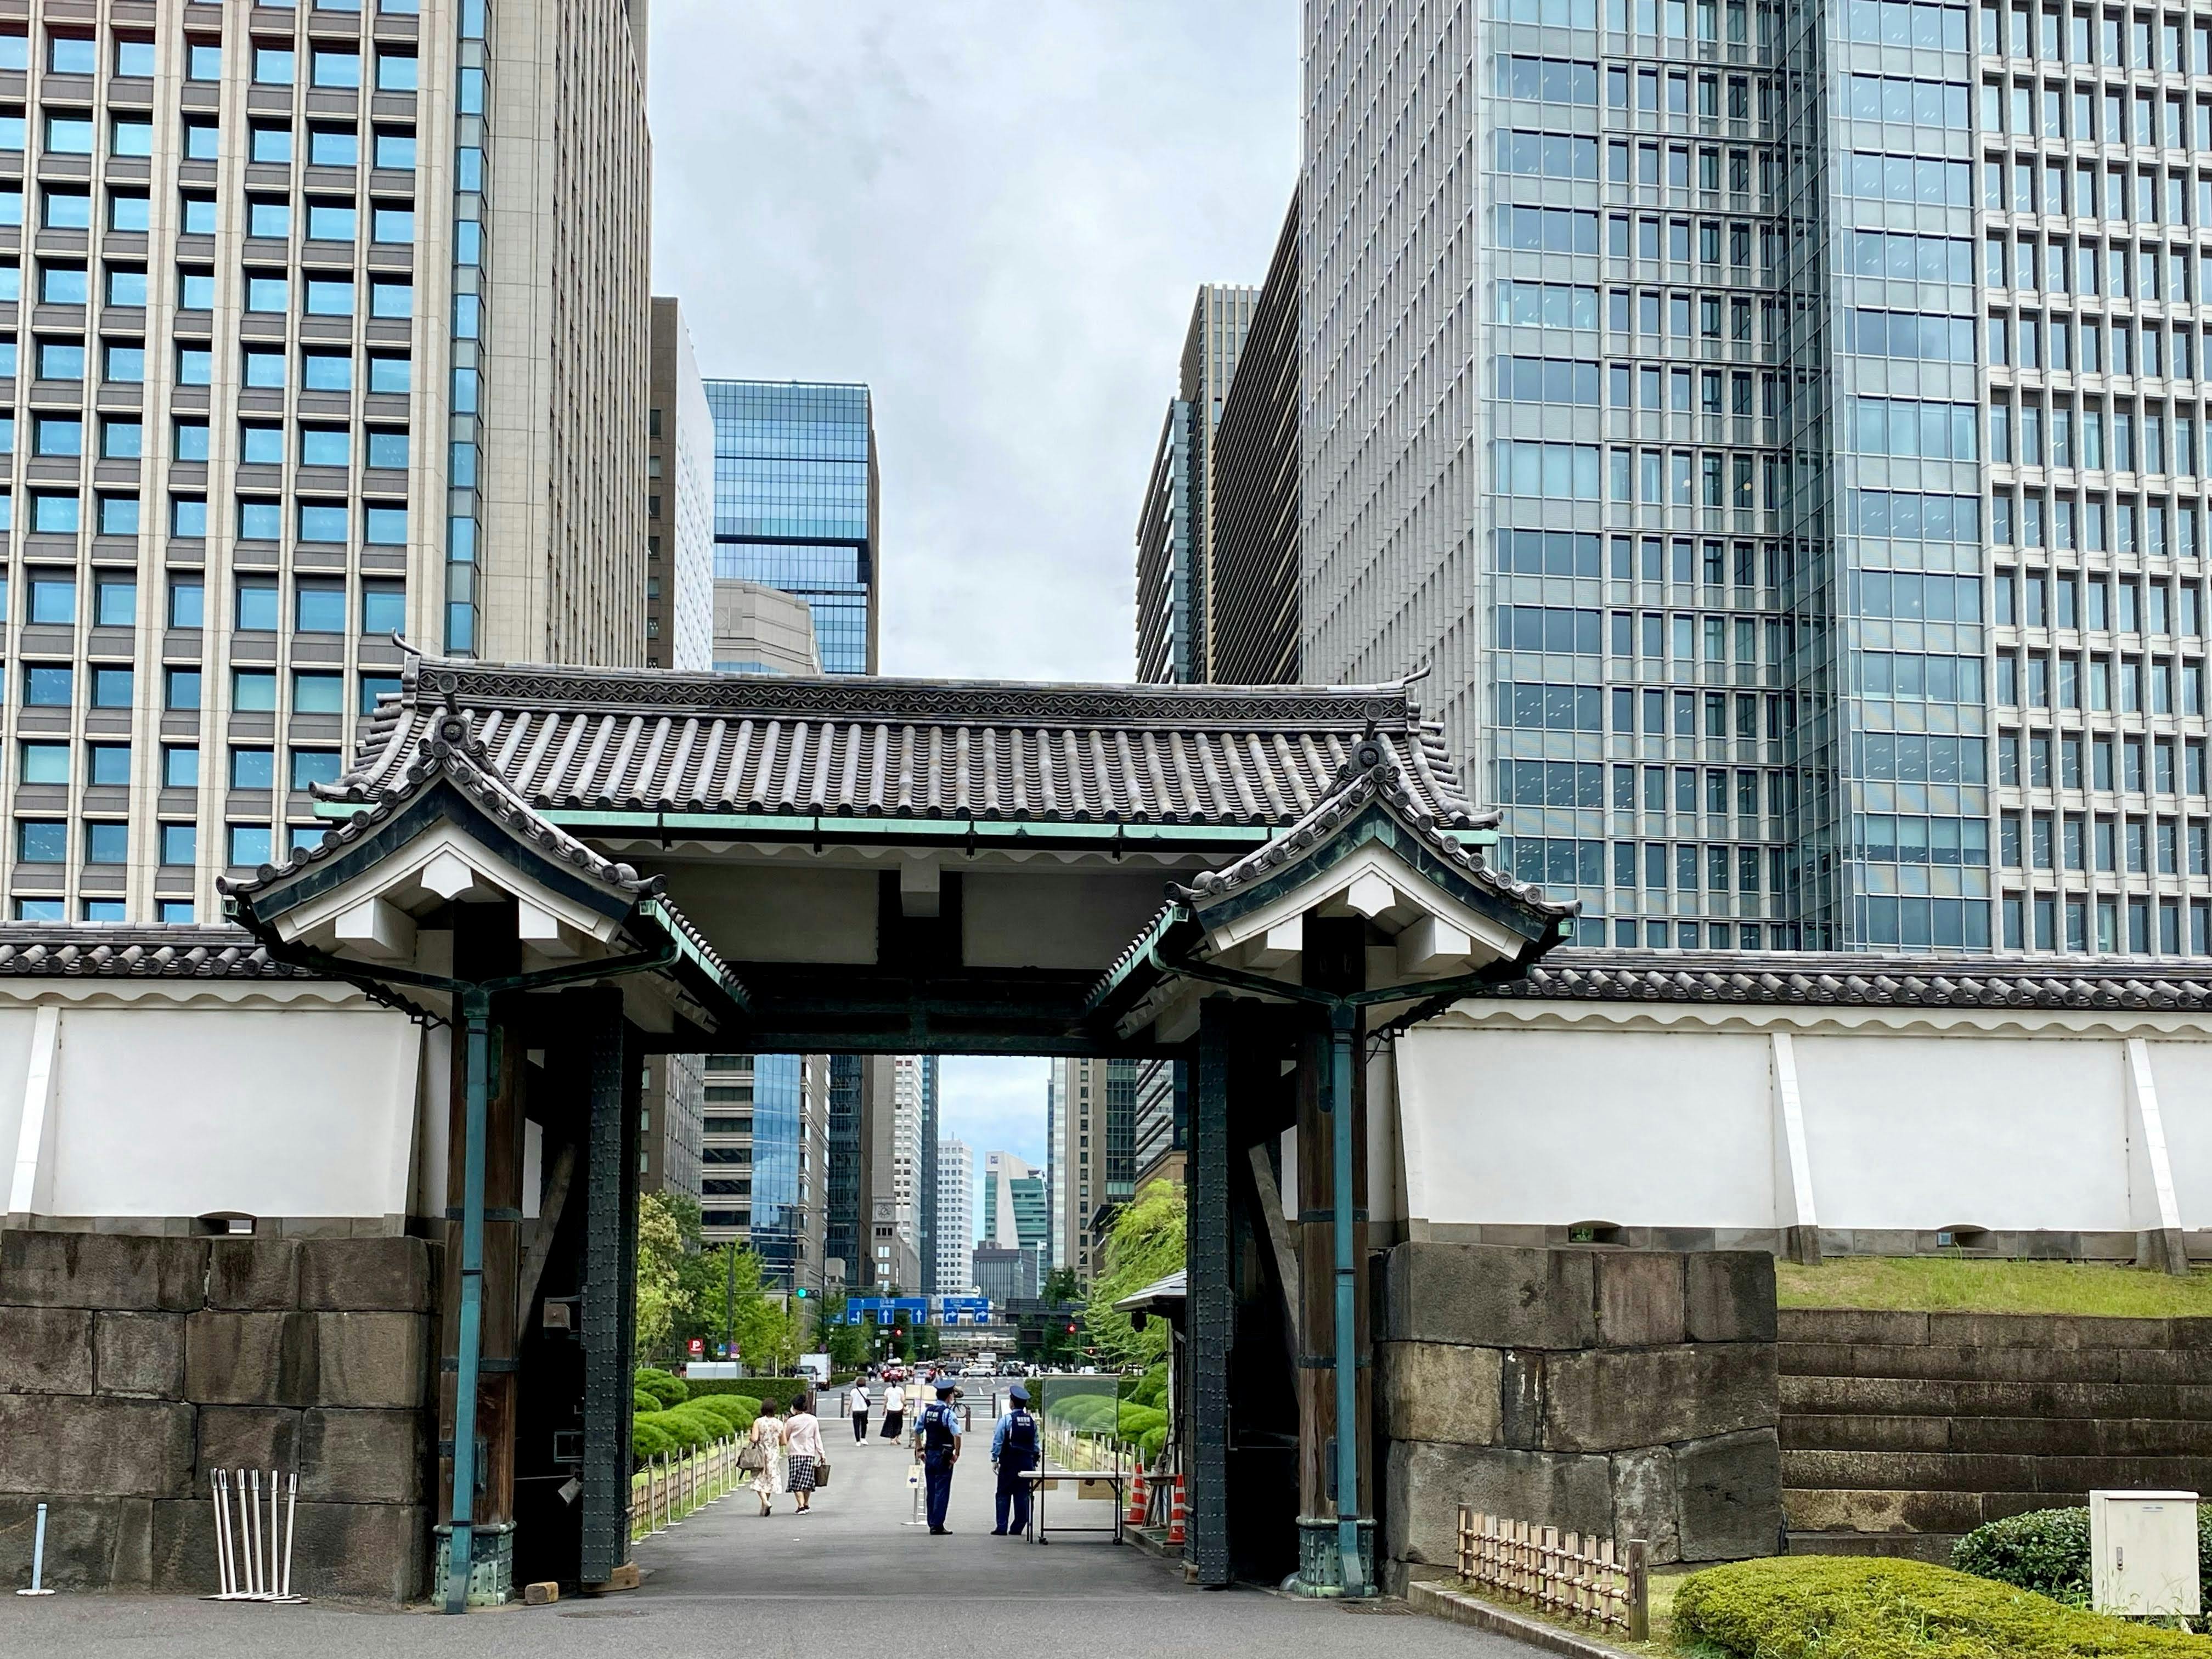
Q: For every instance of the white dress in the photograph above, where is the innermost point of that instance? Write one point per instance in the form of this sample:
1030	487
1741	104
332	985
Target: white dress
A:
768	1432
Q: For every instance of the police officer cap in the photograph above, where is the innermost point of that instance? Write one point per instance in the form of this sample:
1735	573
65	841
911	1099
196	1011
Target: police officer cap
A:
1018	1394
946	1386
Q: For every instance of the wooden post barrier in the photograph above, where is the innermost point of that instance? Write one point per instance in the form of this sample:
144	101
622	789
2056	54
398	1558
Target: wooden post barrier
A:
1563	1573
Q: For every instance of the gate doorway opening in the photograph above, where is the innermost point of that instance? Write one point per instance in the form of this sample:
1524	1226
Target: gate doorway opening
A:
563	872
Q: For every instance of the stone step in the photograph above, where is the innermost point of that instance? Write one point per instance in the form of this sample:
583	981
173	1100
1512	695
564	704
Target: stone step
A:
1934	1547
2034	1436
1971	1472
1844	1510
1977	1330
2000	1365
1890	1396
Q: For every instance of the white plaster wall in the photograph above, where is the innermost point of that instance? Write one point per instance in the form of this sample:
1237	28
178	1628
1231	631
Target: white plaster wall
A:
15	1025
166	1111
1640	1128
2183	1072
2008	1131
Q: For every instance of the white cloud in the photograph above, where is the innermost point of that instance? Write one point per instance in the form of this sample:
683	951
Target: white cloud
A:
996	215
995	1104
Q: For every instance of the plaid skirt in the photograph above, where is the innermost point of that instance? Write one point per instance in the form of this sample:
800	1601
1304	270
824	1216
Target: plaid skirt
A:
802	1475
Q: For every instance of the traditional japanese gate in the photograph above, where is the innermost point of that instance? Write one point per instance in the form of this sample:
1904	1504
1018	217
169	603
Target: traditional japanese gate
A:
571	869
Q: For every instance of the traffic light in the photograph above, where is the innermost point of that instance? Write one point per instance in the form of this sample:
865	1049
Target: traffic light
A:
800	1293
1070	1327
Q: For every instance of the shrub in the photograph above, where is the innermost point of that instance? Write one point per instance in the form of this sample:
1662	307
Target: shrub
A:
781	1390
1151	1388
648	1440
733	1411
683	1430
2047	1551
1859	1608
668	1390
1150	1444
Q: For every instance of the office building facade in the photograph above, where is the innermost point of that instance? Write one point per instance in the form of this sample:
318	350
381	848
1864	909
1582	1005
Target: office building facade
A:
674	1102
1174	526
1788	465
795	504
1160	1125
1007	1274
1258	451
679	499
1093	1149
764	1163
956	1218
291	292
1017	1210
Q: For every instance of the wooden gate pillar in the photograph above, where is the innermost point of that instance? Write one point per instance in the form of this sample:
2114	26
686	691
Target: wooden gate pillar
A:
1212	1298
610	1290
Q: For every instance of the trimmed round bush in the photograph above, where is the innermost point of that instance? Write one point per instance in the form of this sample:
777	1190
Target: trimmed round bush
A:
1863	1607
648	1440
734	1411
684	1432
1152	1388
1151	1443
639	1400
668	1389
2047	1551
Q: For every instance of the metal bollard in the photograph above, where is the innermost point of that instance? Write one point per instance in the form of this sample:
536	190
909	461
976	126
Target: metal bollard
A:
38	1559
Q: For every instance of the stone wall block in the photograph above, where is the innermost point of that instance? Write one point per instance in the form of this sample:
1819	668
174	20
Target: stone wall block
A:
253	1274
181	1551
362	1456
2045	1331
1731	1493
250	1359
1645	1501
1523	1399
1831	1510
366	1275
1729	1297
66	1445
1639	1298
1852	1325
237	1437
81	1540
45	1351
1439	1391
1428	1482
139	1354
360	1552
1489	1294
1605	1400
373	1359
103	1270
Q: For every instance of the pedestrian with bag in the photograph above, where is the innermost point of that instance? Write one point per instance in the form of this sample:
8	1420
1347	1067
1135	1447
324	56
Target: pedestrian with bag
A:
763	1456
856	1401
938	1431
893	1410
806	1466
1016	1445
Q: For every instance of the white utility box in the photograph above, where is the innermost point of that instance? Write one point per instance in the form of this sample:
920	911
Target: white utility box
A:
2143	1552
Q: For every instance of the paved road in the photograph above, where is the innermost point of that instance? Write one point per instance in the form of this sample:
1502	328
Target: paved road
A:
847	1580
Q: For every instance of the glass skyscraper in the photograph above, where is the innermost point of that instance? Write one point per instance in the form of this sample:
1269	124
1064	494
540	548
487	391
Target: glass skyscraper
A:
1782	448
795	504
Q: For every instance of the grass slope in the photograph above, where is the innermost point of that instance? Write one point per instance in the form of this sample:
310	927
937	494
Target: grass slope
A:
1956	1285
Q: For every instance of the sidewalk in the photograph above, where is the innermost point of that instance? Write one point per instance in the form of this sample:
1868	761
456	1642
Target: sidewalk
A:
847	1579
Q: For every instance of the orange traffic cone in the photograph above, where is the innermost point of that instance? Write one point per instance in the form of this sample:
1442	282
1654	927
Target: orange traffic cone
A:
1137	1499
1174	1520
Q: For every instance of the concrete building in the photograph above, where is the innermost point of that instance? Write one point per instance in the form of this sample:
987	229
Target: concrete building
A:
956	1218
306	373
795	504
1094	1149
1175	527
1016	1210
848	1211
763	630
1258	453
764	1157
1160	1131
679	548
1007	1274
674	1102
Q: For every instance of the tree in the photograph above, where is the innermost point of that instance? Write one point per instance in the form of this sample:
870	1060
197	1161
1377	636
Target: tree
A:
660	1261
846	1345
1061	1286
1146	1245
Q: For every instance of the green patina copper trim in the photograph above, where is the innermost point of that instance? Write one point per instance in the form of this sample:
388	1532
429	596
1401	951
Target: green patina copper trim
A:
663	916
1139	954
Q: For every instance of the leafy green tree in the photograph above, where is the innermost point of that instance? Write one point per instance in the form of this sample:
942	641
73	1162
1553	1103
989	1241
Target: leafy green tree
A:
1062	1286
660	1259
846	1345
1146	1244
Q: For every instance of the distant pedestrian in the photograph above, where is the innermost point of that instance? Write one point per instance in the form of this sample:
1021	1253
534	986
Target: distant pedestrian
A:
893	1410
803	1453
856	1399
939	1430
767	1436
1016	1444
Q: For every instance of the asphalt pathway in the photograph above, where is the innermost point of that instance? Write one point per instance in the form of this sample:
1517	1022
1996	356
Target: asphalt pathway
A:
849	1579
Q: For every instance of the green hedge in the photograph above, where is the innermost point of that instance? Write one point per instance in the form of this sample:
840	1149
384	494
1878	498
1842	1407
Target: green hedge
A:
648	1440
2047	1551
668	1389
736	1410
1093	1413
758	1390
1857	1608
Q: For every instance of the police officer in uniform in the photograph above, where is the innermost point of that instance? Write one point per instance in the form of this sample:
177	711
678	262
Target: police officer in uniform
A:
1015	1445
938	1431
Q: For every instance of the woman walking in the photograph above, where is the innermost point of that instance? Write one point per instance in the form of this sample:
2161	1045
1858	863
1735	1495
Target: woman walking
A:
767	1436
856	1400
802	1440
893	1410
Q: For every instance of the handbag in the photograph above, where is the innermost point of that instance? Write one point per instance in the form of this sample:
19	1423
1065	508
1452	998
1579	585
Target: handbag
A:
821	1471
753	1459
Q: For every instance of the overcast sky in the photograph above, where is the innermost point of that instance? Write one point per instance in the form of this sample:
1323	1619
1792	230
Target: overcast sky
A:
995	213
